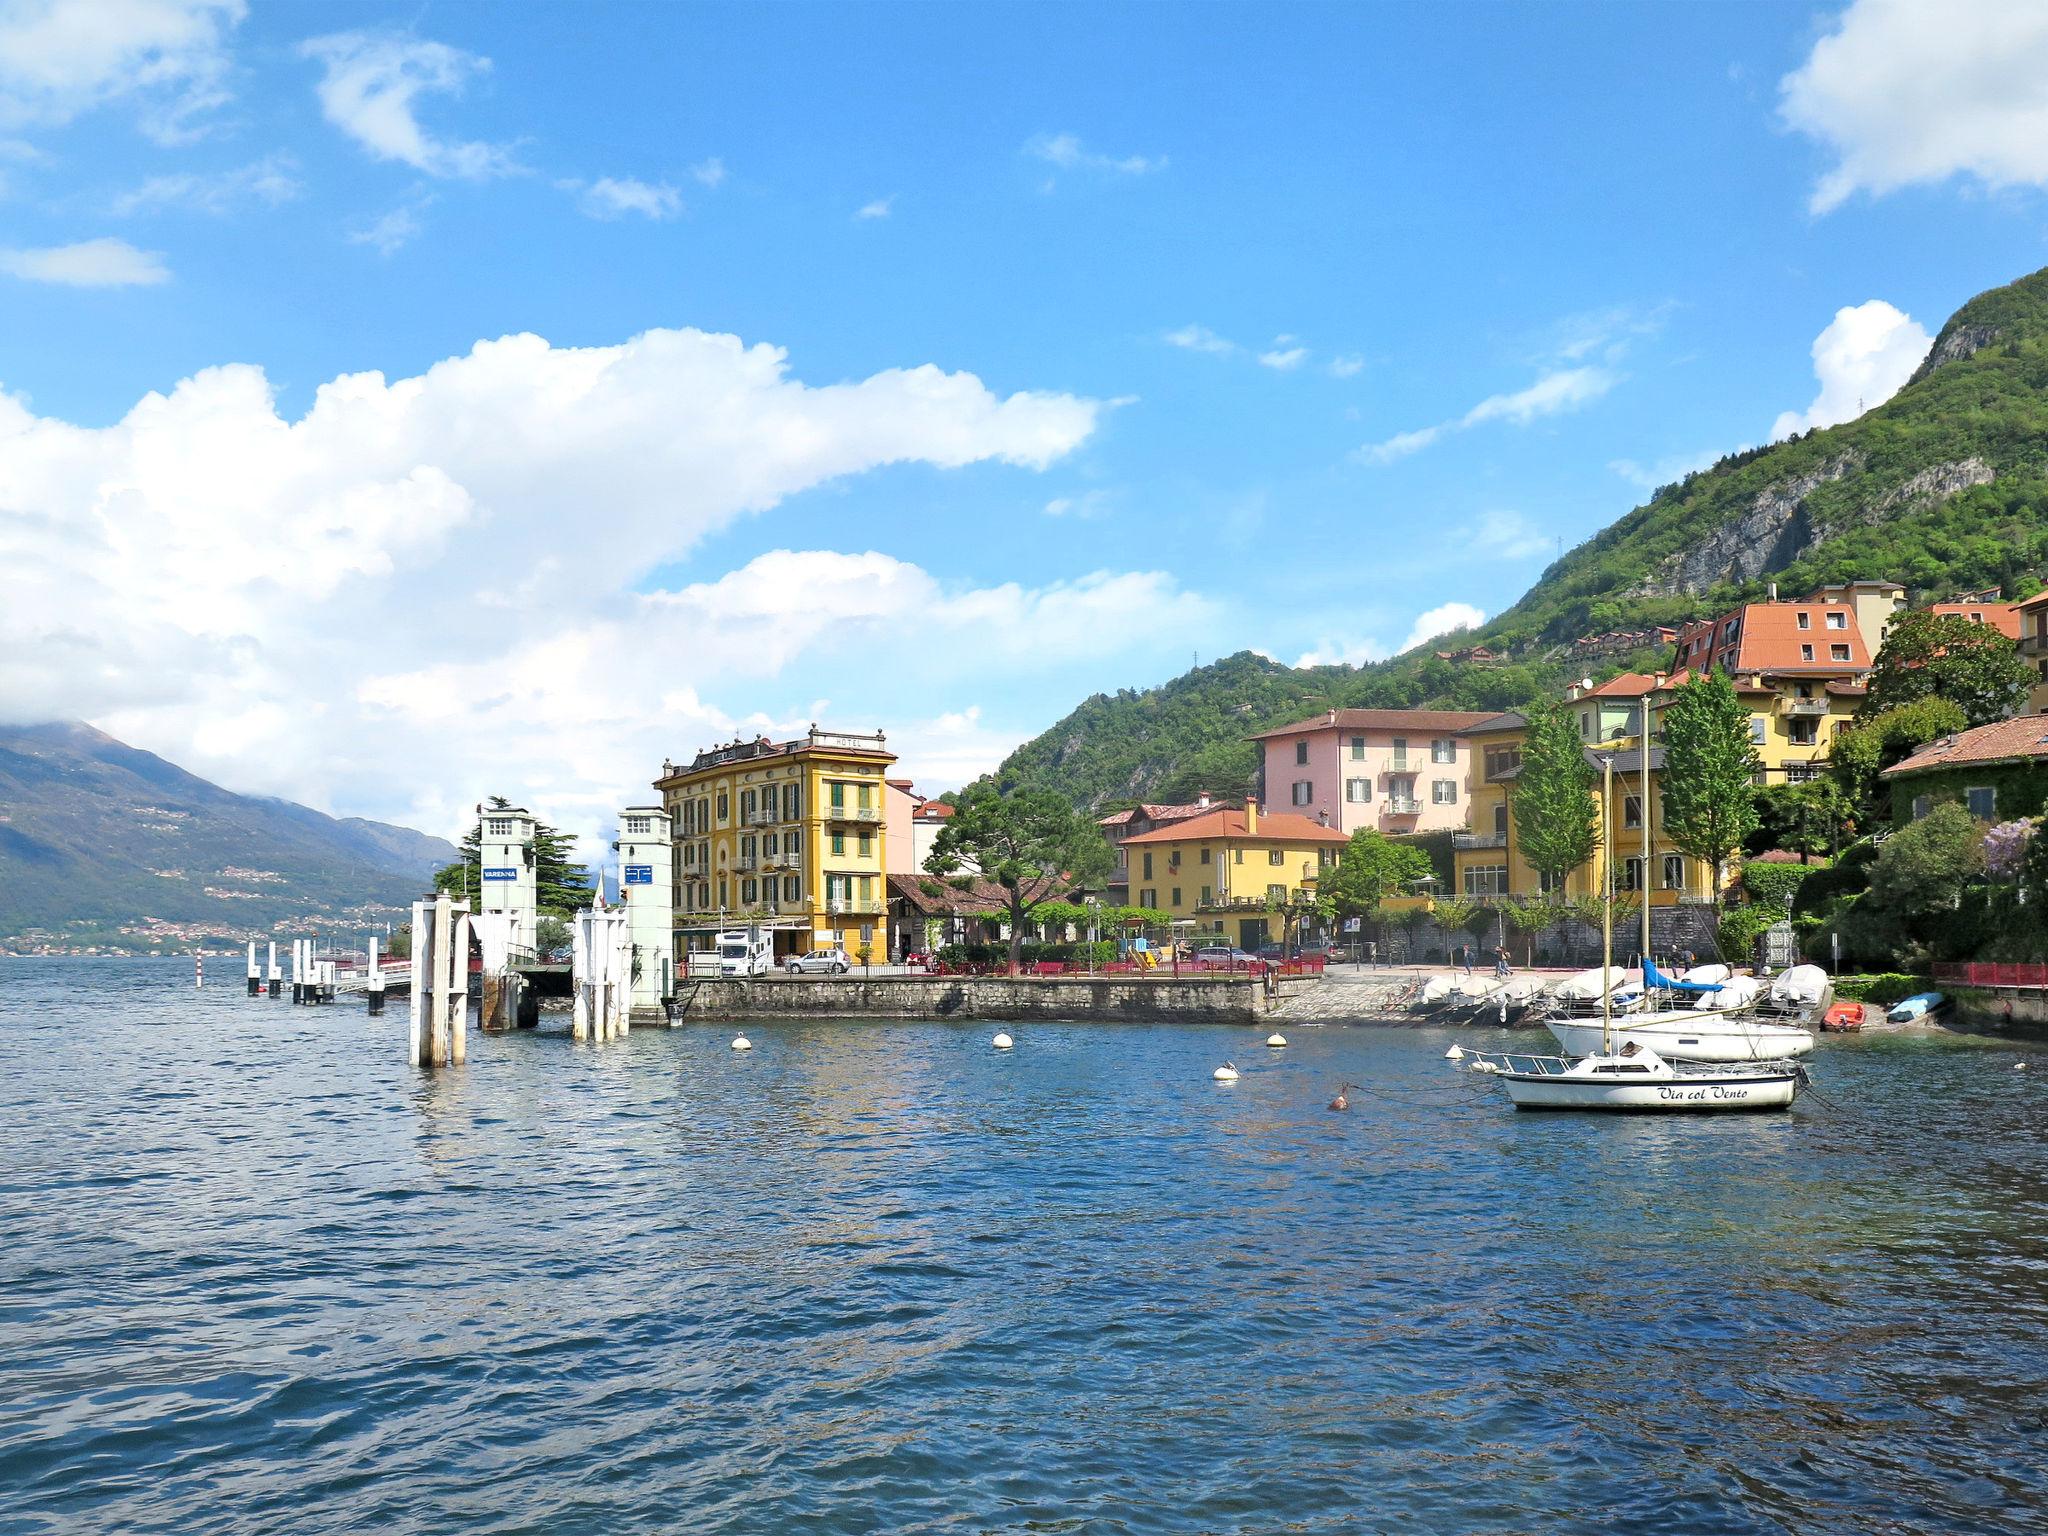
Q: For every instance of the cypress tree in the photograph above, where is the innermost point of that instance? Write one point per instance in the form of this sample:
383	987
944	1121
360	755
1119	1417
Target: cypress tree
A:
1556	818
1709	778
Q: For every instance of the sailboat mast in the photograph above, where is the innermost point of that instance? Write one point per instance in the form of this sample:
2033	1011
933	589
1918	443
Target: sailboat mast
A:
1644	892
1607	907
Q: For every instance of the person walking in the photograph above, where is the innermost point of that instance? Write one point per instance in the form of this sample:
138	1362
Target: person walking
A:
1500	962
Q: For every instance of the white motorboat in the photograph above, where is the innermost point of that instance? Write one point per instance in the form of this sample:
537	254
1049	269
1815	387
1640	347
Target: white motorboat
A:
1635	1079
1688	1034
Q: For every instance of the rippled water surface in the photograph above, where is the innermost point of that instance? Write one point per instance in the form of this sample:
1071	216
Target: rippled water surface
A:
257	1275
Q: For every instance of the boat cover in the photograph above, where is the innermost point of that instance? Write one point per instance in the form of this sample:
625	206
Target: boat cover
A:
1657	978
1802	986
1736	992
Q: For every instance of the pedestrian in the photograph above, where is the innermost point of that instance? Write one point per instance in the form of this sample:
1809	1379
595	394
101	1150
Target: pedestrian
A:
1500	961
1465	953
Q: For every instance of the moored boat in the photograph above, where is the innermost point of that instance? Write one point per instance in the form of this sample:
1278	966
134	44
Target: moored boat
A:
1918	1006
1685	1034
1635	1079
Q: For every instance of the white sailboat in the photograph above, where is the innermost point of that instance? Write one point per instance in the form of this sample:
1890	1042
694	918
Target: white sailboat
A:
1714	1028
1627	1073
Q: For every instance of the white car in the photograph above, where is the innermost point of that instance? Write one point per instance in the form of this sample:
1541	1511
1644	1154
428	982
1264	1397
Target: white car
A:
832	962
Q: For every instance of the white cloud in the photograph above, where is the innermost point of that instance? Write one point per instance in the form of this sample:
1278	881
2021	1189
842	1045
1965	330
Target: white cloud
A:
273	601
1560	390
88	264
611	197
1348	366
1907	92
1198	338
1089	504
708	173
62	58
1342	653
1866	353
1669	470
1507	535
271	180
1068	153
1444	619
369	88
1285	355
392	231
880	208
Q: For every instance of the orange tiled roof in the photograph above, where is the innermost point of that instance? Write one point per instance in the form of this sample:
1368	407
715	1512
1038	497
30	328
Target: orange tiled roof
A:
1766	637
1226	823
2003	617
2021	739
1630	685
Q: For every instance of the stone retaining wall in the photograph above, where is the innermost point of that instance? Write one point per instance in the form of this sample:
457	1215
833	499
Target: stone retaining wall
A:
1085	999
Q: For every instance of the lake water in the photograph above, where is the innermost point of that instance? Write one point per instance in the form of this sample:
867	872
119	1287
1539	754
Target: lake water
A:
257	1275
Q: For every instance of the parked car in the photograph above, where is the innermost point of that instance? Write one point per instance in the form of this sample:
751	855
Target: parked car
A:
831	962
1222	954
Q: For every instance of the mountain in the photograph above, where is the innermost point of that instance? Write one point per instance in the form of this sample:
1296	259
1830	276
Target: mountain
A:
102	845
1943	488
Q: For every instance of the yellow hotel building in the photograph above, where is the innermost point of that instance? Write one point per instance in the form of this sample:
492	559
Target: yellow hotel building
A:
1217	870
787	836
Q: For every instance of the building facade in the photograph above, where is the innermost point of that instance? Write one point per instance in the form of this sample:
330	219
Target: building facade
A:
1997	772
1393	770
1121	826
647	887
1222	872
789	837
2033	643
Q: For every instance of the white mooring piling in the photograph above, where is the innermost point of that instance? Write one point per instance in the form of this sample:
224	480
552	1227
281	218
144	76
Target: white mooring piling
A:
255	976
373	986
198	969
273	975
603	975
440	982
298	970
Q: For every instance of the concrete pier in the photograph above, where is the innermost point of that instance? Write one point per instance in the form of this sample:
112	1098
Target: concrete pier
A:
440	982
603	971
1215	999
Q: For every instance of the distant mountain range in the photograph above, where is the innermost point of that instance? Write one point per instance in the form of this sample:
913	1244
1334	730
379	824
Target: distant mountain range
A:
1943	488
104	846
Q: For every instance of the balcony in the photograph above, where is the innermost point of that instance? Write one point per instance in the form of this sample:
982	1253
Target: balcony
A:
2035	644
764	818
1479	839
852	906
1402	805
868	815
1401	765
746	863
1803	707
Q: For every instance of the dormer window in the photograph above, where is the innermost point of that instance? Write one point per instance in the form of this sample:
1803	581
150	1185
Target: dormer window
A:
1805	620
1838	621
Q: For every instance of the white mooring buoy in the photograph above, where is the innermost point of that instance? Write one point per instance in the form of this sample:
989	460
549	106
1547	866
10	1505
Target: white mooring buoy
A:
1225	1073
1276	1039
1002	1042
742	1043
1455	1053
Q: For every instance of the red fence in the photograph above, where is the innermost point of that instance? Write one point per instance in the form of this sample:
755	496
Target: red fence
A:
1992	973
1307	965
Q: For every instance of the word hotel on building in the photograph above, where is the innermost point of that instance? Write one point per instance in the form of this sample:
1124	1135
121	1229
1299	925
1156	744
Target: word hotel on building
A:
784	837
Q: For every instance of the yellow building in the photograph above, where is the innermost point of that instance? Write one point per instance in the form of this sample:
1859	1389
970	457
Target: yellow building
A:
1219	870
786	836
1487	859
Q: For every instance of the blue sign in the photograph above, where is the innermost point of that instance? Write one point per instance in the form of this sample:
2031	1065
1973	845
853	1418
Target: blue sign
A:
639	874
501	874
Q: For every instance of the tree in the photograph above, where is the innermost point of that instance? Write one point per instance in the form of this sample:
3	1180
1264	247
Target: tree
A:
1805	819
1928	655
1371	869
1862	752
561	887
1530	917
550	937
1556	815
1921	869
1033	844
1709	773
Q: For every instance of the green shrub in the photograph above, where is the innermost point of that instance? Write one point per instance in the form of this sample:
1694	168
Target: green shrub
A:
1883	989
1772	884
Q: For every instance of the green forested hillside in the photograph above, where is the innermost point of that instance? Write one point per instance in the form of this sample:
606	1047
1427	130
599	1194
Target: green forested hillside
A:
1944	487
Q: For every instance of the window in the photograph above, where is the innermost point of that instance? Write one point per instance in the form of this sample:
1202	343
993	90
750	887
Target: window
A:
1674	871
1982	800
1148	863
1275	856
1585	726
1358	791
1500	820
1500	759
1400	751
1304	791
1325	857
1239	859
768	845
1276	892
1358	749
746	805
1443	750
1176	896
724	807
1805	620
1838	621
1205	854
1839	652
791	891
866	848
501	827
749	891
1756	729
1632	811
792	798
839	842
1802	733
867	796
638	826
838	796
1301	751
1206	897
1922	804
1806	653
1443	791
1631	875
1486	880
1148	898
1800	773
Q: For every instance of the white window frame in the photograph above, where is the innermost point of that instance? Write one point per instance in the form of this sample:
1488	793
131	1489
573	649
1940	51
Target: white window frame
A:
1358	791
1443	791
1442	749
1304	791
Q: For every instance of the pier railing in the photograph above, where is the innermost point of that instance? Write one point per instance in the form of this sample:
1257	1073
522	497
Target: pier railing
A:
1992	973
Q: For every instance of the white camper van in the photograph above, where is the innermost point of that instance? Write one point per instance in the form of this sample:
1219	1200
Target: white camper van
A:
743	954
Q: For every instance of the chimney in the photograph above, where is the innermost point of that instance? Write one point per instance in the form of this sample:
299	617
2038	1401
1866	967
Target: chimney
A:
1774	591
1202	799
1322	818
1251	815
1333	717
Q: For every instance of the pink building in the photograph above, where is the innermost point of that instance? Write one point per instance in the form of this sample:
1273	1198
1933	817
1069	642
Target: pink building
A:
1394	770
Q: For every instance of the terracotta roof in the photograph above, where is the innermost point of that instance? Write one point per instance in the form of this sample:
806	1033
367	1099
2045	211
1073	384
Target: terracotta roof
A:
1148	811
2003	617
1380	720
1630	685
1766	637
2022	739
2039	599
1227	822
931	810
1685	675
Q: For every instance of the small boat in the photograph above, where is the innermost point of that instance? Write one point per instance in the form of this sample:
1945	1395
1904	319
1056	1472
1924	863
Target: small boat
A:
1635	1079
1435	992
1800	992
1687	1034
1918	1006
1842	1018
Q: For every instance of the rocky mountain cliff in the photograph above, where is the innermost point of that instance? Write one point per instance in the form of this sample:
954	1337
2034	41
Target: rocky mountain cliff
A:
1944	487
102	845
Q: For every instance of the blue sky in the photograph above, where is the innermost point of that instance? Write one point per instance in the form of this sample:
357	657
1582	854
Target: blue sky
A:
1279	328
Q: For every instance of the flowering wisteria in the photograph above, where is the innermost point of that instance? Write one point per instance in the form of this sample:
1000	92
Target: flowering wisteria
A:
2005	847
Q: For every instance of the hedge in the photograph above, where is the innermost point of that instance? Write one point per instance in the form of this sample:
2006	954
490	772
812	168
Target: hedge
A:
1883	989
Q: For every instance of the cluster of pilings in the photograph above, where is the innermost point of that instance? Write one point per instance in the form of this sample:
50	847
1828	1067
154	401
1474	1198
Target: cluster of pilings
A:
440	982
313	980
603	974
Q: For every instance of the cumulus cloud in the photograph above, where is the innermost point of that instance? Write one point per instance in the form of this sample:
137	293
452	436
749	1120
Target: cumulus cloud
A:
422	589
1198	338
1089	504
1863	357
62	58
1558	391
612	197
1285	355
1347	366
370	86
708	173
1068	153
393	230
1447	618
1905	92
102	263
1669	470
880	208
1506	535
1342	653
272	180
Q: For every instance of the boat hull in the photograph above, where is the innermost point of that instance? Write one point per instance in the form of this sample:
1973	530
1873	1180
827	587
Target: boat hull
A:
1689	1095
1707	1037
